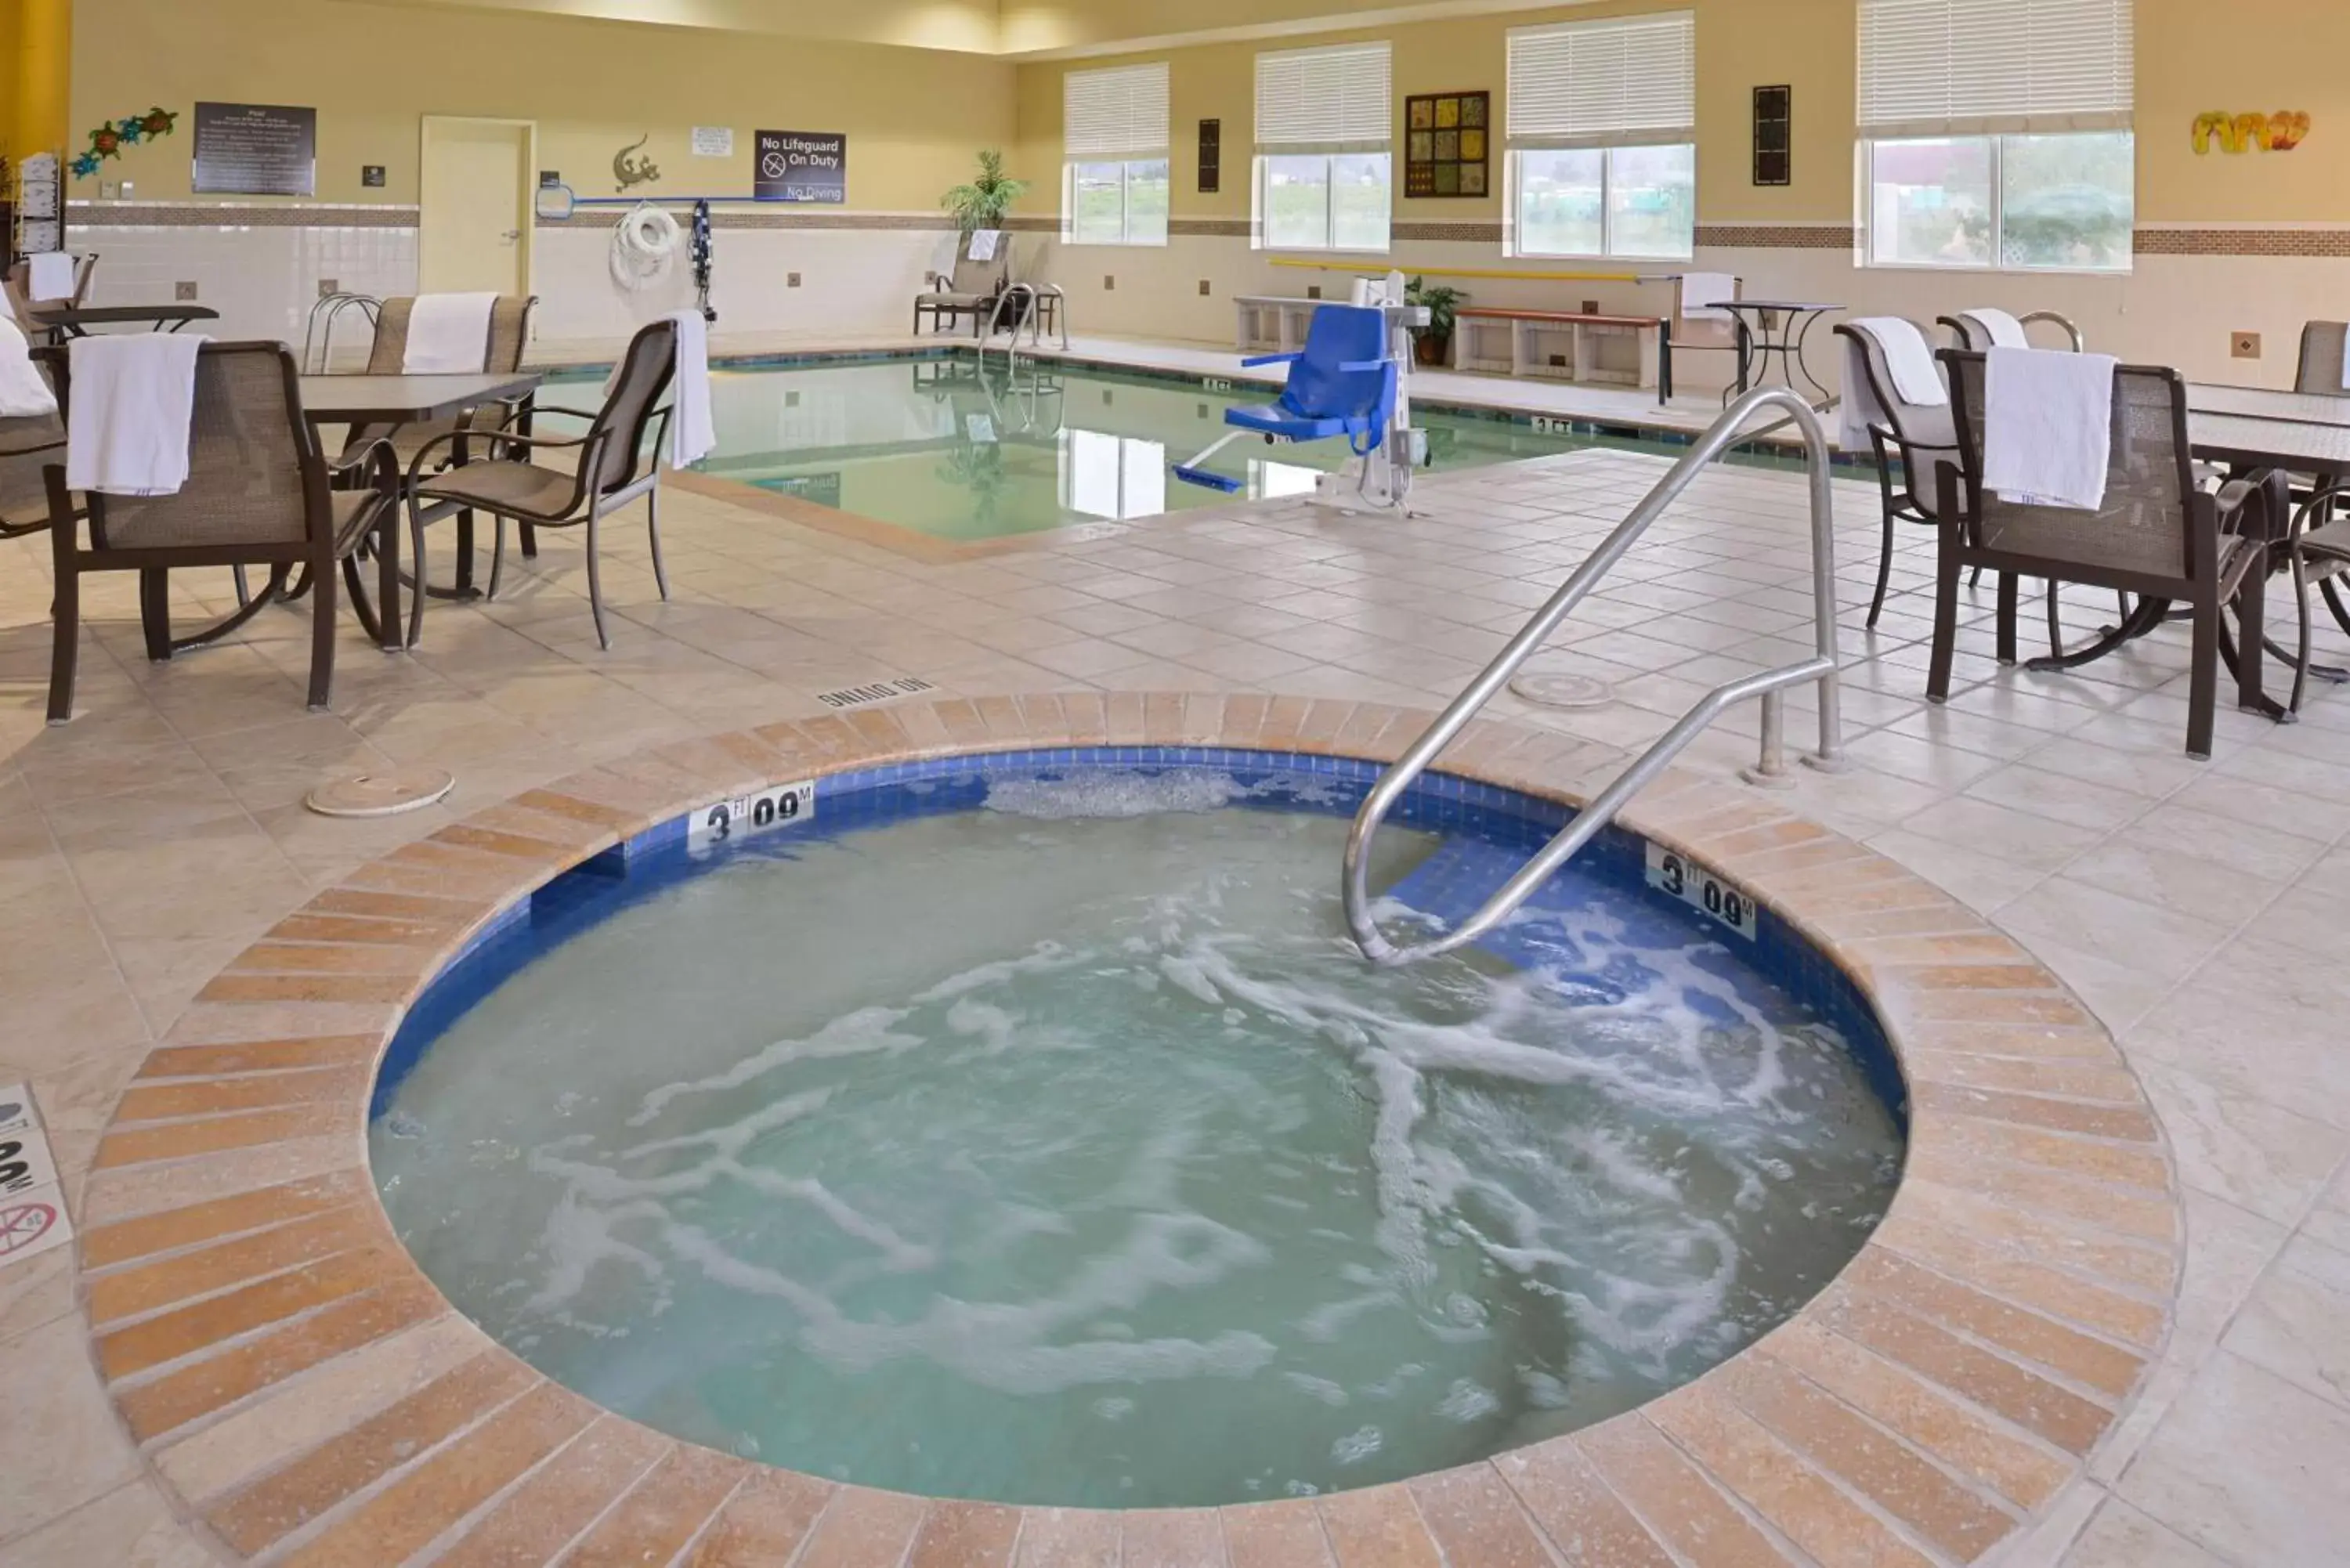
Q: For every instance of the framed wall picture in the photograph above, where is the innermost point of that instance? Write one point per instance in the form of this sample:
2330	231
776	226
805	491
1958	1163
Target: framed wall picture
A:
1211	156
1774	135
1448	143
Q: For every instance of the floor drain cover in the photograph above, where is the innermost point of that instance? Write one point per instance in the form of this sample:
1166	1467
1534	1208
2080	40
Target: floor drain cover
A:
384	794
1563	691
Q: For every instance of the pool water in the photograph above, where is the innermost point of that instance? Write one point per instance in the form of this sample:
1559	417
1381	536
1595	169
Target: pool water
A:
1064	1151
959	452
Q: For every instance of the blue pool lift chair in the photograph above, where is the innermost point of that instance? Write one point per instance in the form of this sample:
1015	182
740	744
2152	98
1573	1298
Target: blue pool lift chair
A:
1343	384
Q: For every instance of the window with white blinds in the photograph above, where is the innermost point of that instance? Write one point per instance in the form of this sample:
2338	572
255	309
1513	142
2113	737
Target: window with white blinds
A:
1117	113
1933	67
1328	101
1589	84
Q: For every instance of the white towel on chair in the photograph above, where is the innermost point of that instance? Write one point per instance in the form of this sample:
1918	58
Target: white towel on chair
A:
1702	291
24	395
2048	426
982	244
1916	380
133	397
2002	328
52	276
691	434
448	335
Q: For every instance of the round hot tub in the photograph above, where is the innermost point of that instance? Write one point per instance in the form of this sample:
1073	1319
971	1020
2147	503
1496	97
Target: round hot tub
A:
1024	1128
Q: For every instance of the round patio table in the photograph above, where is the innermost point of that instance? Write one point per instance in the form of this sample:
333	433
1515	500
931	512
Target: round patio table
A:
1769	328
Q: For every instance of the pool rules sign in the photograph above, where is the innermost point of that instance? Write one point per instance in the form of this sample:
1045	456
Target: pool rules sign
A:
801	166
31	1206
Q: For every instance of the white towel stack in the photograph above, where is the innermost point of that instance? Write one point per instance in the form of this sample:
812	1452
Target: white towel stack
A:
448	335
2048	426
24	394
52	275
1916	380
1701	292
133	397
2002	328
692	435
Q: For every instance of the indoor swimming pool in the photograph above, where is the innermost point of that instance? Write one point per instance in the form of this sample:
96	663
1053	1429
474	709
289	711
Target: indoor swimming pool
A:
1025	1127
946	447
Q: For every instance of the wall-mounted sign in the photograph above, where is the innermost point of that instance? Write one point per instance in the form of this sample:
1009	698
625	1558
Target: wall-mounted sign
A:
2237	133
713	141
548	179
802	166
1211	156
372	175
255	150
1774	135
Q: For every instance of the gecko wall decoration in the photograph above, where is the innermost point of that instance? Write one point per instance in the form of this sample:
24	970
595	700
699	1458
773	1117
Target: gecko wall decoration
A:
2239	133
629	170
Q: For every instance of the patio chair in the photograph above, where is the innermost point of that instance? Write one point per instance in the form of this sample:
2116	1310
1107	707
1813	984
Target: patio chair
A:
1968	333
17	282
27	445
257	494
2317	545
2159	534
1921	434
509	340
969	290
614	467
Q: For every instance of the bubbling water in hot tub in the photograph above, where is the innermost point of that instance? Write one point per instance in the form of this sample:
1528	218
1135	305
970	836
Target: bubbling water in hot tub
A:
1067	1152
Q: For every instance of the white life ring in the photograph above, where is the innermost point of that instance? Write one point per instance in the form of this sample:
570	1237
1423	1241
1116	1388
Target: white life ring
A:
644	243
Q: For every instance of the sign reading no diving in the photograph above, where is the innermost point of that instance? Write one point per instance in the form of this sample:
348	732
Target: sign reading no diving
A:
801	166
32	1207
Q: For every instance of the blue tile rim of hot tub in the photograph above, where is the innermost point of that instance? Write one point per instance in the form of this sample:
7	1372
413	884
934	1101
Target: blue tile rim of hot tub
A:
1767	453
872	797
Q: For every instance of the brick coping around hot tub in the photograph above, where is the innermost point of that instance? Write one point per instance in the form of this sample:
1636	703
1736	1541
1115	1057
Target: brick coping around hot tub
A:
304	1394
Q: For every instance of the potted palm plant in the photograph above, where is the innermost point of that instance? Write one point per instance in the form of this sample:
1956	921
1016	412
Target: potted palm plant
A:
982	203
1433	344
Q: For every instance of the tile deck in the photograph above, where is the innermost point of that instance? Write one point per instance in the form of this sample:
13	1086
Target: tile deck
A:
2098	1323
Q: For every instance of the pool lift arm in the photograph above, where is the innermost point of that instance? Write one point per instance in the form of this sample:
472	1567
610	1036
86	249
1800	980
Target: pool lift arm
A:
1382	475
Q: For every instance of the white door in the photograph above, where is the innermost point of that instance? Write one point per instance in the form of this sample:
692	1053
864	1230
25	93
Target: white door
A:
473	229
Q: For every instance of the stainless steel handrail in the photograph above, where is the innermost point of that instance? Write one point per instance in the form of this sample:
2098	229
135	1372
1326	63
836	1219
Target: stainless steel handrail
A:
1768	685
2080	344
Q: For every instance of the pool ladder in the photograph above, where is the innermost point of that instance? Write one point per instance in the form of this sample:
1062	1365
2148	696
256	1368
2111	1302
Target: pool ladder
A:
1769	685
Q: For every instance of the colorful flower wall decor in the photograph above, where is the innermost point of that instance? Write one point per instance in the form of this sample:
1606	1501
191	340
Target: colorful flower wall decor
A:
2240	133
108	139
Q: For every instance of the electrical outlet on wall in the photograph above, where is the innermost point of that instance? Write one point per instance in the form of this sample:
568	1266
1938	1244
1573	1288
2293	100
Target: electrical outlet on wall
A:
1313	291
327	285
183	291
2244	345
1204	290
1109	284
791	280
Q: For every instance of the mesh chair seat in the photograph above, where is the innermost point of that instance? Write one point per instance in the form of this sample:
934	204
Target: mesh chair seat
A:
512	489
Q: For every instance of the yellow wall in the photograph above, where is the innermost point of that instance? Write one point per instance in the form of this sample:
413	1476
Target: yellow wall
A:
2193	57
913	118
35	46
969	25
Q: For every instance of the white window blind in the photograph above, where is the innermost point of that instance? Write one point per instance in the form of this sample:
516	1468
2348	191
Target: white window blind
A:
1120	113
1328	101
1971	67
1582	83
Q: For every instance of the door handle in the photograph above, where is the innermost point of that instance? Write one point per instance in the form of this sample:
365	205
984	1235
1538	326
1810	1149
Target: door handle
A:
510	235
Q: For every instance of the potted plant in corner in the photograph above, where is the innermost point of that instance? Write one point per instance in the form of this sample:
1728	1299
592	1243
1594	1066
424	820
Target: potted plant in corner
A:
983	202
1433	344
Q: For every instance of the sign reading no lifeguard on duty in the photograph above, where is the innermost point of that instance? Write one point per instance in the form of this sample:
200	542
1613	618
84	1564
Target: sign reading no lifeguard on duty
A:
802	166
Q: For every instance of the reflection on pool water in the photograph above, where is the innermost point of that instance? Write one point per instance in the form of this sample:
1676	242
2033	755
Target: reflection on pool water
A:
1064	1151
948	449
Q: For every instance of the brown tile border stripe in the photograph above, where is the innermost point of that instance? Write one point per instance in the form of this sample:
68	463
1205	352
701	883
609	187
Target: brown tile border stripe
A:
236	215
1777	236
304	1394
2190	242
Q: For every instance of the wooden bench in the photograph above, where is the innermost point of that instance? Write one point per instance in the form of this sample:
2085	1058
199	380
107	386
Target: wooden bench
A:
1517	343
1273	325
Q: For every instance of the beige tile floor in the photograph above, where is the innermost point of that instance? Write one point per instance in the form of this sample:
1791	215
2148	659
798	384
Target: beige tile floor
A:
2195	906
